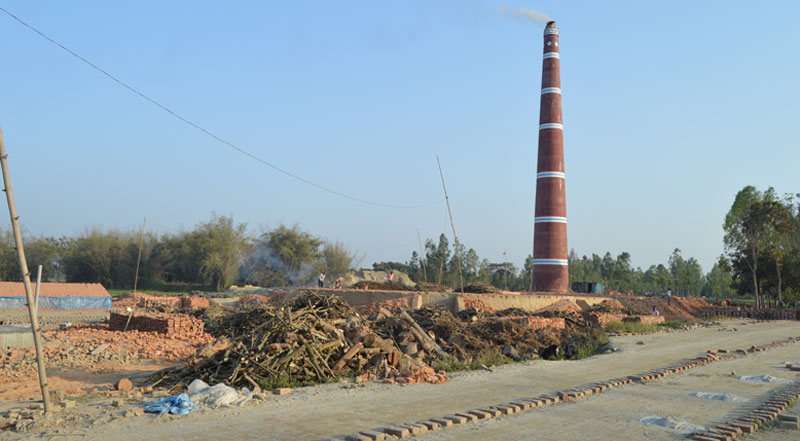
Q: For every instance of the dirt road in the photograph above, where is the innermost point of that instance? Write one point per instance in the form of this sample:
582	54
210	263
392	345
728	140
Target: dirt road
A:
338	409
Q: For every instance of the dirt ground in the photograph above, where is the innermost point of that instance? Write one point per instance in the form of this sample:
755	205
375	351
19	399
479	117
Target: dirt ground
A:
342	408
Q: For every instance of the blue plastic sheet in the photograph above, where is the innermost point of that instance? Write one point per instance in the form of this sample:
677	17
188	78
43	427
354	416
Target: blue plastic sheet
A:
66	302
176	405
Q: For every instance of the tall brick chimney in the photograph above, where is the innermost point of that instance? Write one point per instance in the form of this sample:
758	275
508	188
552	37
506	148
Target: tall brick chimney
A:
550	271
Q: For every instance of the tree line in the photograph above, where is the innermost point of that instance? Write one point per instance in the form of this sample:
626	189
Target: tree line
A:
213	255
761	260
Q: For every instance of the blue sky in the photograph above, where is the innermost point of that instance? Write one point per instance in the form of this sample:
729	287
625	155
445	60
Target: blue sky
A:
669	110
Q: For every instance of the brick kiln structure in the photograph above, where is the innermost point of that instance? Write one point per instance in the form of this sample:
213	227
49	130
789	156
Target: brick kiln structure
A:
550	271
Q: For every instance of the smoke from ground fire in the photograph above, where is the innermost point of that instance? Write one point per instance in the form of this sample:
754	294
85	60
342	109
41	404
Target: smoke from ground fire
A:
524	15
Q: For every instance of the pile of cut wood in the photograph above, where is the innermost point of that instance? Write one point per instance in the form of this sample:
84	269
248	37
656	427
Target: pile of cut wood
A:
309	339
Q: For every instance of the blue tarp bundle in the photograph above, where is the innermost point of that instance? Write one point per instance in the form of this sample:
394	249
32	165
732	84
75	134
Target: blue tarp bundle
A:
66	302
176	405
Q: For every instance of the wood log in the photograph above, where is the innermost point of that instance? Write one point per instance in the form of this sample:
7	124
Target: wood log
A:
348	356
423	338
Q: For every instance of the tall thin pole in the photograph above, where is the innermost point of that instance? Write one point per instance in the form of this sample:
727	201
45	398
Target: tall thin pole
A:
422	257
452	225
141	244
533	252
26	275
38	288
505	264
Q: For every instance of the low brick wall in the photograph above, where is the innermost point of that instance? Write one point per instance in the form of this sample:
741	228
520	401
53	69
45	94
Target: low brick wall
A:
538	322
603	318
643	319
174	325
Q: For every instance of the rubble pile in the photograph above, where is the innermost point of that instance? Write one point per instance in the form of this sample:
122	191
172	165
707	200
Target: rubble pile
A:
253	300
481	288
178	326
677	308
511	333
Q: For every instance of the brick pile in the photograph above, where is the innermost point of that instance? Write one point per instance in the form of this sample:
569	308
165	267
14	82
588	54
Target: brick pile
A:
194	302
416	374
97	348
479	305
177	326
140	300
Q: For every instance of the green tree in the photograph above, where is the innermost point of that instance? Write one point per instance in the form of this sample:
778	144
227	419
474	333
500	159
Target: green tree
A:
720	279
750	231
220	244
336	259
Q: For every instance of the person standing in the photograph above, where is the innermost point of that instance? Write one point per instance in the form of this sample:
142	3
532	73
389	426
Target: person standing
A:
669	296
391	276
321	280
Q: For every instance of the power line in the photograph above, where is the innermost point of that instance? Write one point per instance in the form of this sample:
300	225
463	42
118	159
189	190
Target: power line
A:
206	131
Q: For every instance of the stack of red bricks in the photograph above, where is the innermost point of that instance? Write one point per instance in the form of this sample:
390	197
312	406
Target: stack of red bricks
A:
537	322
179	326
195	302
144	300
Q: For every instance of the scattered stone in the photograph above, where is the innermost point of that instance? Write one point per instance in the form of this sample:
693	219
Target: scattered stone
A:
117	403
68	404
56	397
640	342
99	349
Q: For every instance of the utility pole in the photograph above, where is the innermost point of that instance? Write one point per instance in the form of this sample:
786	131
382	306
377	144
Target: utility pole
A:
141	244
422	257
452	225
505	264
26	276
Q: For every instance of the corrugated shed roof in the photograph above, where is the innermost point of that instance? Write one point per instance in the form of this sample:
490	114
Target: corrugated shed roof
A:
17	289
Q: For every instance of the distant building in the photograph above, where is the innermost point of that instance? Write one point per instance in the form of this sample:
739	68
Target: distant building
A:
56	296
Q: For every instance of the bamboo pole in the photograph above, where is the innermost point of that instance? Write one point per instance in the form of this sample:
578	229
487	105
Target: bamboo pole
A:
26	275
452	225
